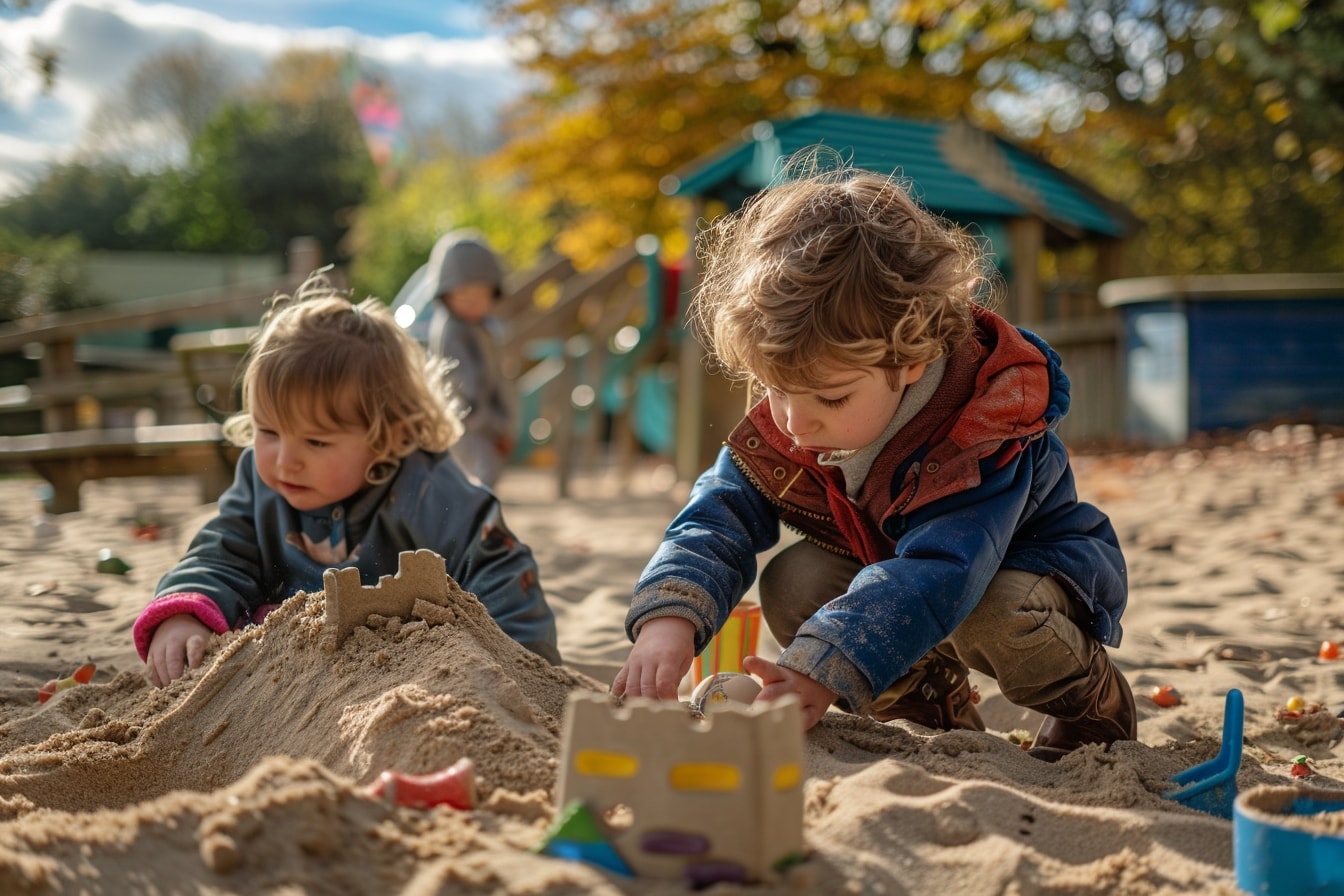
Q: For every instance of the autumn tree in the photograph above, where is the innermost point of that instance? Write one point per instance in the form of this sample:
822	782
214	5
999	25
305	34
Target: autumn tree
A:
631	91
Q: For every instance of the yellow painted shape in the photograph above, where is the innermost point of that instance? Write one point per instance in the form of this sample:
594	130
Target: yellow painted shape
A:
729	646
602	764
716	776
787	776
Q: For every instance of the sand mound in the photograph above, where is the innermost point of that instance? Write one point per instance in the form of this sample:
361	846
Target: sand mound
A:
403	694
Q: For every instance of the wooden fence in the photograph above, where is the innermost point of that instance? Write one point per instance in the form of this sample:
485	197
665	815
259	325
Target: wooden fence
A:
82	436
1090	352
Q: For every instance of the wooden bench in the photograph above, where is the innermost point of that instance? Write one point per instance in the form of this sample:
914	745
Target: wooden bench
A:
68	459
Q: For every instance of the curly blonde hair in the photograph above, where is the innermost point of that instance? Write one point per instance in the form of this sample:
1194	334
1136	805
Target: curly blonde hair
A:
321	358
834	267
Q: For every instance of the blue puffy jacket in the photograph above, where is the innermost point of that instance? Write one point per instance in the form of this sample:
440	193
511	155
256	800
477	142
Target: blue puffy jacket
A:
975	482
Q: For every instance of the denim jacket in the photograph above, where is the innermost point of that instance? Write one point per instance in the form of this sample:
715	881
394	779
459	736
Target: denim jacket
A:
977	481
259	550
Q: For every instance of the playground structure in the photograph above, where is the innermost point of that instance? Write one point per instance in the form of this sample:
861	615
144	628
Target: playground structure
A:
614	344
713	799
595	365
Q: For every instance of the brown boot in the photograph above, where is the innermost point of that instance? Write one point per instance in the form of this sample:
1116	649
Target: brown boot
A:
942	697
1097	710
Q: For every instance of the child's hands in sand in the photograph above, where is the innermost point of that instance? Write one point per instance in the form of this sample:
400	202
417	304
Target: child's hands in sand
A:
178	645
778	681
661	655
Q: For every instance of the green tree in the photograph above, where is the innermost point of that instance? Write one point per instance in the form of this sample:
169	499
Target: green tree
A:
1231	169
88	200
287	160
40	274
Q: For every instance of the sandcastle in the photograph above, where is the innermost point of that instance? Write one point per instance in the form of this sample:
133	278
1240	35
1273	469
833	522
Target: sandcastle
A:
421	588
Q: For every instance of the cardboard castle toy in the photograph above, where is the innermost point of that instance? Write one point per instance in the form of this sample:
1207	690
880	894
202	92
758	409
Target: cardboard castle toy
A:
704	800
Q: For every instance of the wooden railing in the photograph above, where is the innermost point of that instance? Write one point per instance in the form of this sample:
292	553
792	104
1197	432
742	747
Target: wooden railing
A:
573	372
80	439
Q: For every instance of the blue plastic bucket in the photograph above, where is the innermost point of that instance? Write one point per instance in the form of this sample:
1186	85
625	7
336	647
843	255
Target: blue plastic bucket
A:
1285	844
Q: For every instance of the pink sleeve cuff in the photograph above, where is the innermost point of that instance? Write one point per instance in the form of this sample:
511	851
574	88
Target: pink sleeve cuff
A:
186	602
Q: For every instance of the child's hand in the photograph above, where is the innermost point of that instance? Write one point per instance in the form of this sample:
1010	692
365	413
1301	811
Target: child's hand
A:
661	655
178	644
814	696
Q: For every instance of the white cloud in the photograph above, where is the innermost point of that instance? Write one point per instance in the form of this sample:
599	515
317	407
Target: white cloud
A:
100	43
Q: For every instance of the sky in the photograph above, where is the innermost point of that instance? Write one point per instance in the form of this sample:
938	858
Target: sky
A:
440	57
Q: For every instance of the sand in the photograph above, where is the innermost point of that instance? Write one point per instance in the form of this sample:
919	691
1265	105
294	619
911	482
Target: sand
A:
247	776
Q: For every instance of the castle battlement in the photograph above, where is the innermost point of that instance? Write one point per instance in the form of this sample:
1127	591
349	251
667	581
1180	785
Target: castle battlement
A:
421	576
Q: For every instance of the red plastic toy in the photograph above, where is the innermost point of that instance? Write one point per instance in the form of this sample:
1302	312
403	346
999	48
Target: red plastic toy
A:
1166	696
454	786
83	675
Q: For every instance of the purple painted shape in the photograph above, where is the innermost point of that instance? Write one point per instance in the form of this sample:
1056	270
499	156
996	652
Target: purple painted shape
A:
674	843
702	874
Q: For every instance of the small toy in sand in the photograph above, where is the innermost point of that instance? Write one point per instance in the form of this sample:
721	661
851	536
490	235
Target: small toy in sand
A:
110	563
578	836
1301	769
454	786
717	690
83	675
1166	696
1297	708
1329	651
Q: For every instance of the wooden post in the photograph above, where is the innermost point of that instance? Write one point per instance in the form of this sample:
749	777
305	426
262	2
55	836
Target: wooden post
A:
304	255
1026	300
58	362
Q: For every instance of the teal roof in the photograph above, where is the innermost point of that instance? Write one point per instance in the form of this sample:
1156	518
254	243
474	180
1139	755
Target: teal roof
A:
956	170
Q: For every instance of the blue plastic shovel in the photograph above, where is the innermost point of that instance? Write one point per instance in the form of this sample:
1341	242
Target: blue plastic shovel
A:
1212	786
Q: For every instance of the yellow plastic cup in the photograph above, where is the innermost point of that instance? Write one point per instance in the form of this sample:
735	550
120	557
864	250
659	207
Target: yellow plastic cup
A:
735	641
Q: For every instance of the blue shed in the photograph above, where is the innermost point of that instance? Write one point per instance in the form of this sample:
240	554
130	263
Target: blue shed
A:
1229	352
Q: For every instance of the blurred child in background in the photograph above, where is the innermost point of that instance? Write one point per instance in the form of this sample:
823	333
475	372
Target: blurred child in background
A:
468	284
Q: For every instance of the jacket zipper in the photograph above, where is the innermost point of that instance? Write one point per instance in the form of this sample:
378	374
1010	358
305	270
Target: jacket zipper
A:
770	496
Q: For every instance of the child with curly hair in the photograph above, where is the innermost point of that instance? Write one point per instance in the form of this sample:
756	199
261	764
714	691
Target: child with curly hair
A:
347	424
907	432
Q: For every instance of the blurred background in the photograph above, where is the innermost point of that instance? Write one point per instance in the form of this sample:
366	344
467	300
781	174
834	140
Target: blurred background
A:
148	150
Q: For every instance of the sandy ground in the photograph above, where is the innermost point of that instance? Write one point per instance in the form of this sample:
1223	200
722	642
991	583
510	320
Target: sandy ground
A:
247	776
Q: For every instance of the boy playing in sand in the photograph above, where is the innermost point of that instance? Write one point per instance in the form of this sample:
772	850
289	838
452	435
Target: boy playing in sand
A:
468	284
348	424
907	433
